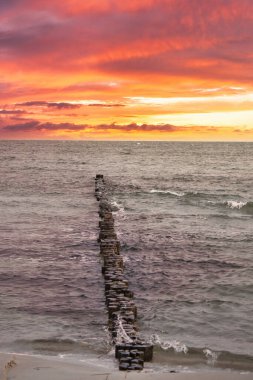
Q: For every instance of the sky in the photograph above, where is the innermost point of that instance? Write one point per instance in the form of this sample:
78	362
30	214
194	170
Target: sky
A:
126	70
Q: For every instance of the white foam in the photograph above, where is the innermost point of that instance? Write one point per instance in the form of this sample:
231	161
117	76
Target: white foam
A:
176	345
210	355
125	259
122	336
235	204
177	194
117	208
165	345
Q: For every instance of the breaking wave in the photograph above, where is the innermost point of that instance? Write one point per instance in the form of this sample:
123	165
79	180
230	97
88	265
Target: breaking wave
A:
175	193
117	208
168	351
166	345
247	206
196	197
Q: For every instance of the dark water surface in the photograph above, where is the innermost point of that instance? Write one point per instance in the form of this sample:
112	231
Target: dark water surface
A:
184	216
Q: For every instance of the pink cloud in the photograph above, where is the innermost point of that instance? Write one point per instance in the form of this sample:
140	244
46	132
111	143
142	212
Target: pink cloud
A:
45	36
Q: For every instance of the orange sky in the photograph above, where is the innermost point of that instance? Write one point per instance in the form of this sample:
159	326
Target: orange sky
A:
143	69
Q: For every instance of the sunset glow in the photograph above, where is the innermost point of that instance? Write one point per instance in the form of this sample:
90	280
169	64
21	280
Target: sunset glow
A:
140	70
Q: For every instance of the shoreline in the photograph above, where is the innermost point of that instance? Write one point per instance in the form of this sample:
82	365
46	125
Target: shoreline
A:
29	367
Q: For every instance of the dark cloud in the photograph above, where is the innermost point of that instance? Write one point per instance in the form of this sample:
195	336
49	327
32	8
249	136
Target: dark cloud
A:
23	127
27	31
62	126
106	105
7	4
34	125
65	105
19	119
142	127
12	112
243	131
33	103
37	126
55	105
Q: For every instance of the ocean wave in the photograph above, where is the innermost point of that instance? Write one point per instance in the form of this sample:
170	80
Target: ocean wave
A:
175	193
244	206
198	197
117	208
211	356
167	351
188	196
239	205
168	344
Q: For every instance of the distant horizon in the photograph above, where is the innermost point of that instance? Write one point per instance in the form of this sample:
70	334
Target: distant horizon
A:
162	70
135	141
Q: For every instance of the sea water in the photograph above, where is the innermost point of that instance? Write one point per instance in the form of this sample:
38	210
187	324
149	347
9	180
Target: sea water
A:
184	217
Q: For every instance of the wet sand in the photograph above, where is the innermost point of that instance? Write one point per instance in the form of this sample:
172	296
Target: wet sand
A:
25	367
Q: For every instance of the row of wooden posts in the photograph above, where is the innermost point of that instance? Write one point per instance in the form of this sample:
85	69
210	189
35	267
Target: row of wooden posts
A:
130	349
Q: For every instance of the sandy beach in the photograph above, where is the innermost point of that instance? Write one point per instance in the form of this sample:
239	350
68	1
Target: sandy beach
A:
25	367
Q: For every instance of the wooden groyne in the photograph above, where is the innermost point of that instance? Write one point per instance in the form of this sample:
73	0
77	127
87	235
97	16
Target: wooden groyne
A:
130	349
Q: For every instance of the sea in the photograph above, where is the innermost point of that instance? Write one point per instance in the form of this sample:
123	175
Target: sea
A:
184	217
